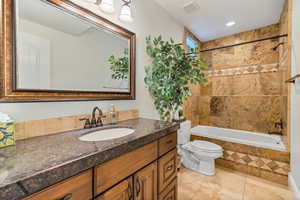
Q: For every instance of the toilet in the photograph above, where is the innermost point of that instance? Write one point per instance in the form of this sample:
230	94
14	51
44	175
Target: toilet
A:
198	155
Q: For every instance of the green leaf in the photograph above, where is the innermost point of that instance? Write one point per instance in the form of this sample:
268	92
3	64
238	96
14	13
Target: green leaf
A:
120	66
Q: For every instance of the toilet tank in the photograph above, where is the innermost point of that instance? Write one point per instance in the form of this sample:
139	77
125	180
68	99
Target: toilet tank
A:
184	133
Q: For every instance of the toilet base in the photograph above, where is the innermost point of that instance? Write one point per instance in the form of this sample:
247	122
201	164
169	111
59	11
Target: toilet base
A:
206	167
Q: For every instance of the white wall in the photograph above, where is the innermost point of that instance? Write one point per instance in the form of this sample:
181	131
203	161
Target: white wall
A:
295	132
149	19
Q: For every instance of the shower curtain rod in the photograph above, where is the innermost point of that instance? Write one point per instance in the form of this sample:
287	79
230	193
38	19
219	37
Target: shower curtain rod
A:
243	43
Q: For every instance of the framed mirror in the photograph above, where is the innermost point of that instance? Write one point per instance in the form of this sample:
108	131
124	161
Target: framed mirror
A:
55	50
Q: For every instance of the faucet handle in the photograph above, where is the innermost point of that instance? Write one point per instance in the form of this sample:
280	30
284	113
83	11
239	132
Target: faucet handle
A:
99	120
279	124
87	123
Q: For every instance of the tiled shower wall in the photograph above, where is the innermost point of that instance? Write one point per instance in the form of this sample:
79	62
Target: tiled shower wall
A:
285	60
246	89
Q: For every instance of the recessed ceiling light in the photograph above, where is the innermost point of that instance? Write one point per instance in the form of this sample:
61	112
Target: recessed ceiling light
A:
231	23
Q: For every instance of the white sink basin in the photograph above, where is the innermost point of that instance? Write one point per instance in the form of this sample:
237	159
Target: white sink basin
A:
106	134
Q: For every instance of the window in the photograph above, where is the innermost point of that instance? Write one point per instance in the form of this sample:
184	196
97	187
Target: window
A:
191	43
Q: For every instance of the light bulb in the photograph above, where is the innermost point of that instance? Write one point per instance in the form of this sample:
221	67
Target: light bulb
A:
107	6
125	14
91	1
231	23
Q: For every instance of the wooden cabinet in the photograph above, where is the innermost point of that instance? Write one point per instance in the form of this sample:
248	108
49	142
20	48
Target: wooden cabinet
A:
145	186
123	191
147	173
170	193
167	169
79	187
145	182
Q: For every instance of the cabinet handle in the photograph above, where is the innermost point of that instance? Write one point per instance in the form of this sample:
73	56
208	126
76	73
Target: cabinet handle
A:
169	142
66	197
138	186
169	168
130	196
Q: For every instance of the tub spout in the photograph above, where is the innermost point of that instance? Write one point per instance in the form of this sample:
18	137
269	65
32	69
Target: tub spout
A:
275	133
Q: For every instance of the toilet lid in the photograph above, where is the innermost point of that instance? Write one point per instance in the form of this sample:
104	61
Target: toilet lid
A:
206	146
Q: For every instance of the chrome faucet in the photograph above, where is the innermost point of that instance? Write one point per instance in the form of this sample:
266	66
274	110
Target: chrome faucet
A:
94	122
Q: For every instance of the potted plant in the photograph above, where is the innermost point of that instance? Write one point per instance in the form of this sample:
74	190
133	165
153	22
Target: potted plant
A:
169	74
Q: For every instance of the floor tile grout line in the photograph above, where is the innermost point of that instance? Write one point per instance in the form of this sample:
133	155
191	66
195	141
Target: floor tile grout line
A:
244	190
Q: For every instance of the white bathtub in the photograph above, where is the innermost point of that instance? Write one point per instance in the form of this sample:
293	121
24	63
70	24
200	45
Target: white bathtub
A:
262	140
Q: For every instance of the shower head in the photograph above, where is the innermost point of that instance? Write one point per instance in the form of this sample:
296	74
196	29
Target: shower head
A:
278	45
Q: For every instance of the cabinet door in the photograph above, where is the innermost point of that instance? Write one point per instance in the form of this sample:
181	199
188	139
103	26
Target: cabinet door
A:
116	170
145	183
122	191
170	193
167	169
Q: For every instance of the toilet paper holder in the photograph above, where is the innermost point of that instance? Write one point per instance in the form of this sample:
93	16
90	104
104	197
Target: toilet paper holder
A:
293	79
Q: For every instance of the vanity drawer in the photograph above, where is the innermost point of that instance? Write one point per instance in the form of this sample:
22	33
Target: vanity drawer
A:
112	172
167	169
79	187
167	143
171	192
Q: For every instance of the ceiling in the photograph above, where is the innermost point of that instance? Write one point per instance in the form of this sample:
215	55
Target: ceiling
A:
207	18
47	15
50	16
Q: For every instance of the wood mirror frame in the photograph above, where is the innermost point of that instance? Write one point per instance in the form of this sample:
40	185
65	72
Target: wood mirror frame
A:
8	92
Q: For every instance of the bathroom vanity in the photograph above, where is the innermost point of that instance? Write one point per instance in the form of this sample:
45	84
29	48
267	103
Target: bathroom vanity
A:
65	38
138	166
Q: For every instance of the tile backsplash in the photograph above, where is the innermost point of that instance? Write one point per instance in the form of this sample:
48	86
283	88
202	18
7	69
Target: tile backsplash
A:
35	128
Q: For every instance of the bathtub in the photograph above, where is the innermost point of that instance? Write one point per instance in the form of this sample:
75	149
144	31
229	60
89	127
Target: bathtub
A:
260	140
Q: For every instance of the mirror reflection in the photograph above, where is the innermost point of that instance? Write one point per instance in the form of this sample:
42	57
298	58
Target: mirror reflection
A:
59	51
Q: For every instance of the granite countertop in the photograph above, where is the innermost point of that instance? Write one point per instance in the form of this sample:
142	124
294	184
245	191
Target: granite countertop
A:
37	163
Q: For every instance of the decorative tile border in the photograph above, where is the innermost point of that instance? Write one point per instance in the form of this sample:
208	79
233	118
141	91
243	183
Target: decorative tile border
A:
268	164
253	69
259	162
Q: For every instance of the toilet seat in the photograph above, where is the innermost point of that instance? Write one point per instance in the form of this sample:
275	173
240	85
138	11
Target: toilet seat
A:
199	146
205	146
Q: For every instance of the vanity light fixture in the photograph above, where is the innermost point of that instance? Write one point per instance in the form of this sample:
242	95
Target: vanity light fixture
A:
125	14
107	6
231	23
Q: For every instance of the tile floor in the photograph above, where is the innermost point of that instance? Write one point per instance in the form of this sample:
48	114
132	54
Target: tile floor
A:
228	185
